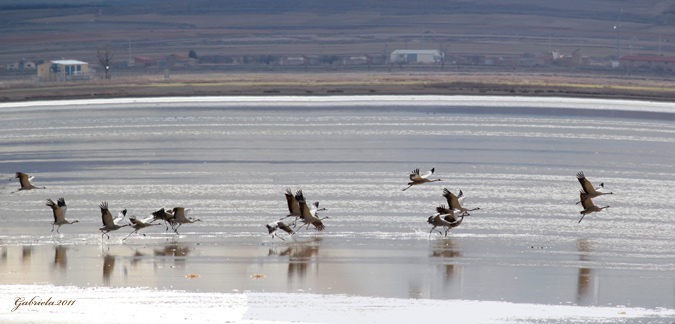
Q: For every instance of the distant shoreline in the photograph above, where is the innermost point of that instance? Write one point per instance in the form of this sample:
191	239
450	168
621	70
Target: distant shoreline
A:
509	105
339	84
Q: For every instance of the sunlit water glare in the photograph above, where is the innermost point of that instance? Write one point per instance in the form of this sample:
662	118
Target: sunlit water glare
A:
230	162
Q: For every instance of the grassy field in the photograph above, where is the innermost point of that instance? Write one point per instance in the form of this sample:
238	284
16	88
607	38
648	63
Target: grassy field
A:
314	84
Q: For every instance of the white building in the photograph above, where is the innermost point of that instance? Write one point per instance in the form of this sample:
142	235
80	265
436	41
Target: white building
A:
416	56
63	70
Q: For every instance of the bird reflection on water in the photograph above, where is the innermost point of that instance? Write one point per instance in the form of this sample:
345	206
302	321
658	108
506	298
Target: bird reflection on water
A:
176	250
108	266
585	275
172	251
136	258
446	250
301	254
60	261
26	253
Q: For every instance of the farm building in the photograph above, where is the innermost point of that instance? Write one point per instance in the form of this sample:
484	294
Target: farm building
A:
300	60
648	62
355	60
180	60
376	58
63	70
364	59
21	65
144	61
416	56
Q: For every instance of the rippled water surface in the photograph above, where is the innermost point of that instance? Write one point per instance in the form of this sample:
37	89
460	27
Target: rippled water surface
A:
230	163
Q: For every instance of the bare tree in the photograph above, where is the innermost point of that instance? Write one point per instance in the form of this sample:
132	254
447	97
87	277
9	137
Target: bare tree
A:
442	49
105	58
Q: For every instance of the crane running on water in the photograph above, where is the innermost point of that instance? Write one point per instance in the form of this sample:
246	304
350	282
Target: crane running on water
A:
445	217
416	178
273	227
110	224
139	225
164	215
294	206
455	202
180	218
439	219
59	211
588	205
306	215
449	215
24	181
588	189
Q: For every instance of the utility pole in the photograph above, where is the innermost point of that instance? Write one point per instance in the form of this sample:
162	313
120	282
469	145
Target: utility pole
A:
659	43
618	36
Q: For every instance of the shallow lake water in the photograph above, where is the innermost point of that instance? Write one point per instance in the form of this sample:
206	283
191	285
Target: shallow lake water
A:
230	160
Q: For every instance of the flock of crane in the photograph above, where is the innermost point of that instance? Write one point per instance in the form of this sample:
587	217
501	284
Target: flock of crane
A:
304	214
298	208
173	218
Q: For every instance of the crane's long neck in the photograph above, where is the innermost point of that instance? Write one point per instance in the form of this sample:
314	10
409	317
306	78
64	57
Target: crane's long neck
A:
459	221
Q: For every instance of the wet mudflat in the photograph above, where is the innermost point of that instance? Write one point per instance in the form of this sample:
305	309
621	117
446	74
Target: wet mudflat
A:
230	162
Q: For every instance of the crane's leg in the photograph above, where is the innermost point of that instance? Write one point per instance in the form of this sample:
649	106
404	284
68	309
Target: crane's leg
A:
287	216
582	217
407	187
129	235
57	229
52	227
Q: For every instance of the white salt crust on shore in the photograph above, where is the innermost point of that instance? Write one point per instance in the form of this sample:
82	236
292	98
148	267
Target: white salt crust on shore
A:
143	305
353	101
